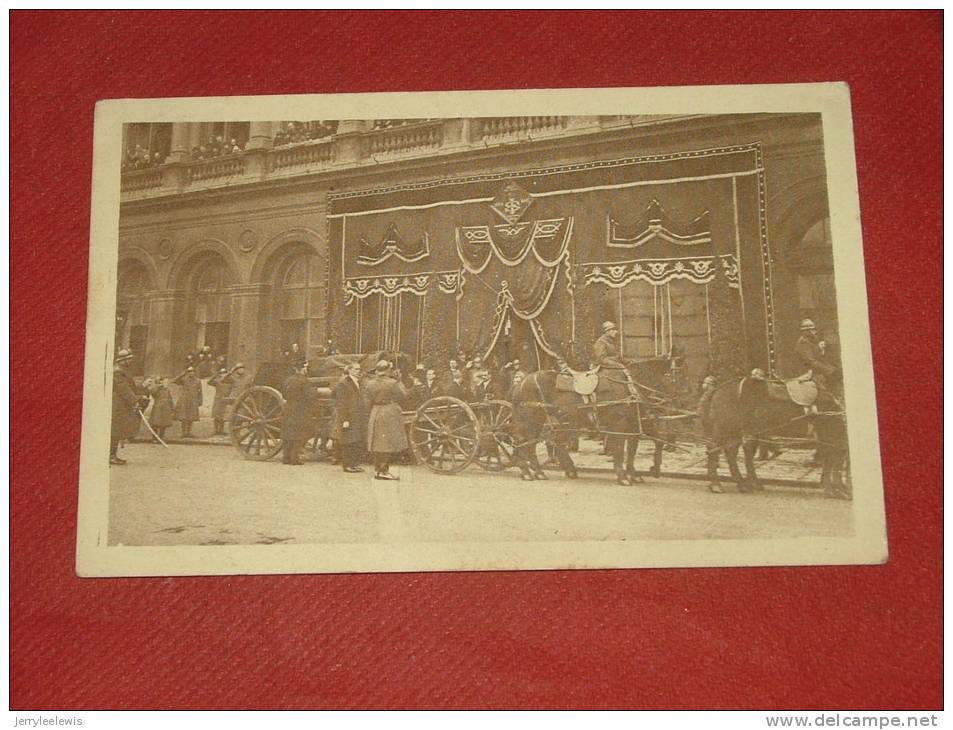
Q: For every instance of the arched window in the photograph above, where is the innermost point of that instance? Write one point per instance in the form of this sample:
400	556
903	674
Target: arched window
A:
300	303
210	305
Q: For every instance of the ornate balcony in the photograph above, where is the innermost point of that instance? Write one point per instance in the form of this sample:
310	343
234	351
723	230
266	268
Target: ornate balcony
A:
356	144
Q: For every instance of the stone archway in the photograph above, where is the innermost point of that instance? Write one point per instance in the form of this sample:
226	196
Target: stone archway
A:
803	268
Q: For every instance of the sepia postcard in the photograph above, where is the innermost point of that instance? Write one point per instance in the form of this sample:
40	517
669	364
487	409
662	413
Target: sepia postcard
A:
492	330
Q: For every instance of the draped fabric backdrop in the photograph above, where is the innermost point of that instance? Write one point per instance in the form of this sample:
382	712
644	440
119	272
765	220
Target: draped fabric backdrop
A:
527	263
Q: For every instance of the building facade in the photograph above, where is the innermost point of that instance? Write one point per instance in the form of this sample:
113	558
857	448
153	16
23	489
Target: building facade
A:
408	235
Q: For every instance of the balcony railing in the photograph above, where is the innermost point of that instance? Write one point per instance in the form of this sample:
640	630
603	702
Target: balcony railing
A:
502	127
314	154
404	139
141	180
219	169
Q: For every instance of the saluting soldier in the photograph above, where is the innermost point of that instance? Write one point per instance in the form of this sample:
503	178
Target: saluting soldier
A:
223	388
296	424
385	428
190	398
350	418
127	403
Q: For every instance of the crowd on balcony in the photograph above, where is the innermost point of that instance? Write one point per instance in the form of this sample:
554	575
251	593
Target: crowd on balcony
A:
216	146
388	123
139	158
298	132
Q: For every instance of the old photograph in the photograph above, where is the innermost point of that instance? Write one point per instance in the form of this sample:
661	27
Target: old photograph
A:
494	330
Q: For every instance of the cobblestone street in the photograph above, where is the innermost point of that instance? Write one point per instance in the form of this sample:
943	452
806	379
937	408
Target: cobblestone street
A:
207	495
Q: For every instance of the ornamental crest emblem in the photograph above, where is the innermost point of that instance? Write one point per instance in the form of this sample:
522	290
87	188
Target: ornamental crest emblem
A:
511	202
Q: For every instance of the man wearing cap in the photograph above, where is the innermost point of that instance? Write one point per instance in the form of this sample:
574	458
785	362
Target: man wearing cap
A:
385	428
350	418
297	424
223	388
189	400
127	403
604	350
811	355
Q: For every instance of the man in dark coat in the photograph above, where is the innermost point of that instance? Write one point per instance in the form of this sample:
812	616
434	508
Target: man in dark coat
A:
163	408
126	405
297	423
350	418
189	401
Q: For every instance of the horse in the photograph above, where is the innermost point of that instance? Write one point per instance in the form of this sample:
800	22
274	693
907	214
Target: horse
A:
745	411
624	409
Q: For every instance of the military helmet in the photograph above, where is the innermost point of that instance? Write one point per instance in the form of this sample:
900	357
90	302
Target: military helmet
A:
123	356
608	326
807	324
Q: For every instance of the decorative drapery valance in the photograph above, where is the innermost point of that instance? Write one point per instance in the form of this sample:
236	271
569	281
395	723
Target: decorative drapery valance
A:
697	269
392	244
512	243
392	286
655	223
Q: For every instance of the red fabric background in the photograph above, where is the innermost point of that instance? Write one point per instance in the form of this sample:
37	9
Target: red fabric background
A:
861	637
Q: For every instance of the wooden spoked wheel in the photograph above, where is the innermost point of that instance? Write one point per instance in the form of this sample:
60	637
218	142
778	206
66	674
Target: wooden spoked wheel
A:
256	423
445	434
496	445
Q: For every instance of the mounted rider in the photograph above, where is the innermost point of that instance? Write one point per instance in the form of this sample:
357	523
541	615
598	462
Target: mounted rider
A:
811	355
605	355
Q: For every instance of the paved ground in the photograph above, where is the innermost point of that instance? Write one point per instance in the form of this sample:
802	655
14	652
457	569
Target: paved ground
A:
207	495
687	456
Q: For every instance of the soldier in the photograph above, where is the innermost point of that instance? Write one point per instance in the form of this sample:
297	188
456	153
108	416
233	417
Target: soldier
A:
811	355
385	428
296	426
350	418
163	409
190	398
239	378
126	406
223	388
604	351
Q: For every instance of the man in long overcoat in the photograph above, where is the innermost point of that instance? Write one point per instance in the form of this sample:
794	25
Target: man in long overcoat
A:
190	398
385	428
297	424
163	409
126	405
350	418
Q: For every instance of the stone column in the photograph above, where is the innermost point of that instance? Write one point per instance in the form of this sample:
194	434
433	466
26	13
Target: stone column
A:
179	151
247	324
260	136
347	141
165	307
195	135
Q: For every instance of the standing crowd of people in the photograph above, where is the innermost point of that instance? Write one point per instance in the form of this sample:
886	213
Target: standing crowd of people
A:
153	399
368	408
